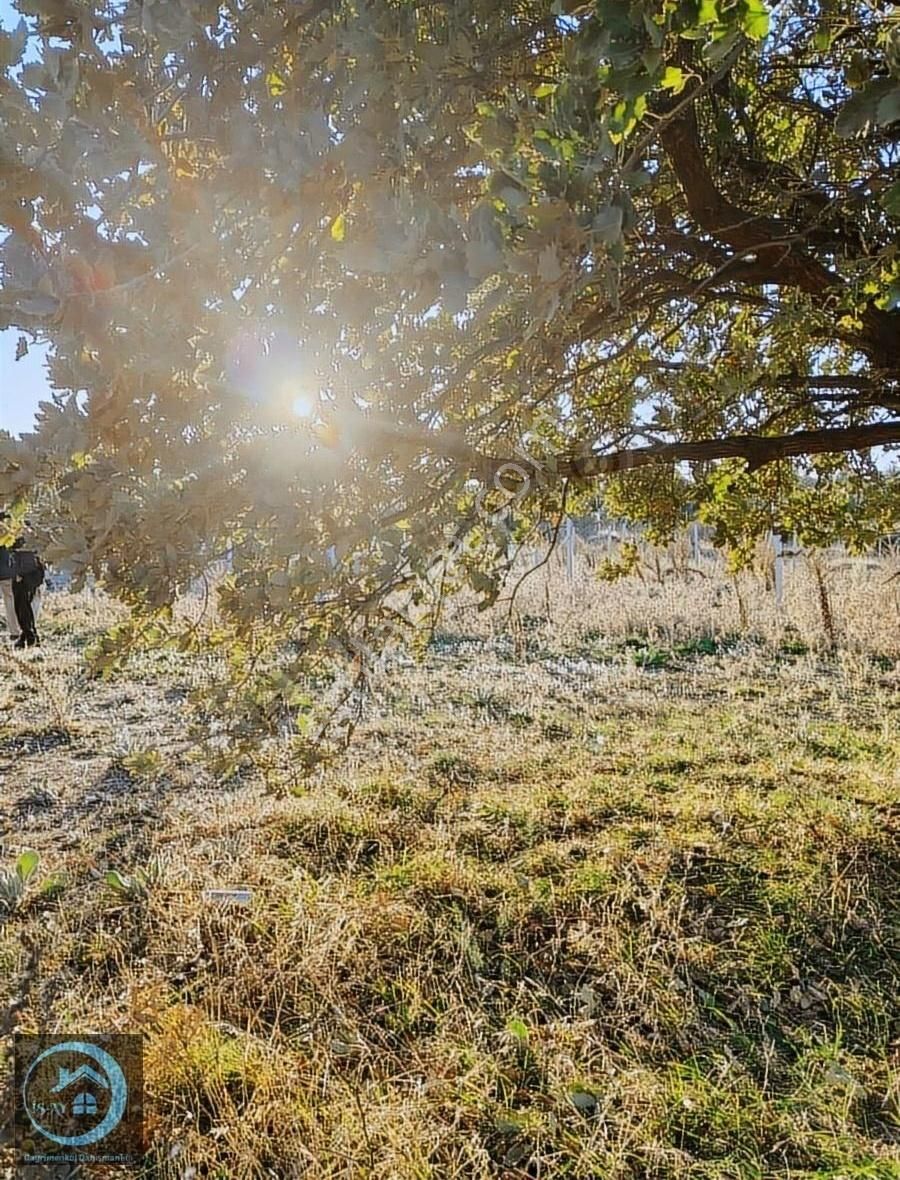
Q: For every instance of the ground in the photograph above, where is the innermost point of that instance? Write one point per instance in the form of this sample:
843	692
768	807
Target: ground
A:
572	905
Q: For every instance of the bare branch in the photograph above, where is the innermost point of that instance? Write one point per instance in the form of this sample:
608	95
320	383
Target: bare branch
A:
758	450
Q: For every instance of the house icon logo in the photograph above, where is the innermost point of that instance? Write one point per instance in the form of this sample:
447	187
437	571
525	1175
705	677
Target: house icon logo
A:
85	1101
79	1098
75	1093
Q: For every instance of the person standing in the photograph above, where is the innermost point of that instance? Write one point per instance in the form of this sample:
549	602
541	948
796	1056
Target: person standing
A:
22	575
28	577
9	607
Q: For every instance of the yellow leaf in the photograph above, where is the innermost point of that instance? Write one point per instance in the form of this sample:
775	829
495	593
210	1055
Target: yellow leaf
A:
338	228
275	84
673	79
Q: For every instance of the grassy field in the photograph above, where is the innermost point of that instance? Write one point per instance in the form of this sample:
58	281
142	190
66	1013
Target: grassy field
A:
613	897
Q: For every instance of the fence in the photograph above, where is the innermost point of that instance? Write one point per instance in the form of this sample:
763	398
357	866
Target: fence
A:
583	537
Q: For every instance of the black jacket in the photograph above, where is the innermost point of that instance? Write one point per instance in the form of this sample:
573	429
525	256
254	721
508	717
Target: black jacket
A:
21	563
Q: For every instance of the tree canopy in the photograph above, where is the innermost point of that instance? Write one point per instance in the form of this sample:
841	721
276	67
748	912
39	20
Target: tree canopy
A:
339	283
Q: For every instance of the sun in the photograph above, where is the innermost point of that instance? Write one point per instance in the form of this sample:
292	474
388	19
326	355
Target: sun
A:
304	404
274	374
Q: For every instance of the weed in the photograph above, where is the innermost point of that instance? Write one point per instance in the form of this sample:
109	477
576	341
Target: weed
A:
14	881
452	770
137	885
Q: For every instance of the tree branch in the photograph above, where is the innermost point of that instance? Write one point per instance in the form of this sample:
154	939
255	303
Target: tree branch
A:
765	237
758	450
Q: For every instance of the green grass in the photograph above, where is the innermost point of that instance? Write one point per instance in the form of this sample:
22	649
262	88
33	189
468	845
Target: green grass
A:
634	923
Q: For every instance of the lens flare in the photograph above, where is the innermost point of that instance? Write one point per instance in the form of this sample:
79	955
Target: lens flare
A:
274	373
303	405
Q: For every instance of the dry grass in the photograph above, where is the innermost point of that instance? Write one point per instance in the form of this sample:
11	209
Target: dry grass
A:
672	600
614	896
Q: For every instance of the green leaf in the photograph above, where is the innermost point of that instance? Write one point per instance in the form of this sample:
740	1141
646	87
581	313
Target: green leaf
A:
12	46
338	228
855	115
52	885
673	79
858	70
755	22
607	223
709	12
822	38
119	883
481	582
889	108
716	51
26	865
507	1126
875	103
583	1100
890	200
891	298
518	1028
512	197
545	89
637	179
655	30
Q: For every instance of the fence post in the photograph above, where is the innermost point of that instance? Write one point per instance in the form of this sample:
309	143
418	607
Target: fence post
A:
778	542
695	542
570	548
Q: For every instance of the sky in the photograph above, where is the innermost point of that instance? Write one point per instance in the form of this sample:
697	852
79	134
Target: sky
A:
22	383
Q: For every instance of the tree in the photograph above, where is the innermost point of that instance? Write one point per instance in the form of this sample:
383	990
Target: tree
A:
336	282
